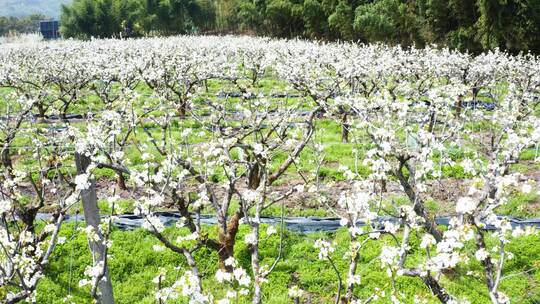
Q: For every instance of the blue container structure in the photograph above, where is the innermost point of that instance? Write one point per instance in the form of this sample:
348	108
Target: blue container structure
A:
49	29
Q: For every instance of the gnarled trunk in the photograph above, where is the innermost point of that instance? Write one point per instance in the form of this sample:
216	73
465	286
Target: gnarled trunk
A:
227	239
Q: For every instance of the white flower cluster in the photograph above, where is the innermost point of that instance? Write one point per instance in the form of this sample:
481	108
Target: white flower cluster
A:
94	273
357	205
238	277
325	248
465	205
295	292
82	181
187	287
389	258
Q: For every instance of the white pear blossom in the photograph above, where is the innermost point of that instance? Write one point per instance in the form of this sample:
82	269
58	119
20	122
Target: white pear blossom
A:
465	205
325	248
481	254
82	181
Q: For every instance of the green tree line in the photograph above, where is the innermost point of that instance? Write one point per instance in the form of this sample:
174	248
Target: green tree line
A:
14	25
473	25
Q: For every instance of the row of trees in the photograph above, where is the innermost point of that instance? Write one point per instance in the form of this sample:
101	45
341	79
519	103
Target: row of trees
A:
108	18
466	25
14	25
403	109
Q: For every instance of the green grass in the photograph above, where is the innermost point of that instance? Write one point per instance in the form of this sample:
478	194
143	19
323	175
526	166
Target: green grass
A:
134	264
522	205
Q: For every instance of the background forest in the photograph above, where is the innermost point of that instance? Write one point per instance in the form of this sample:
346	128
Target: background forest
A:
470	25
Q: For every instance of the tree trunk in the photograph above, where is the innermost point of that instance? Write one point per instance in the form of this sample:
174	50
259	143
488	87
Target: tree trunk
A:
459	105
92	218
344	129
227	240
475	92
431	121
436	289
182	109
383	186
63	113
121	181
352	271
41	112
6	159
